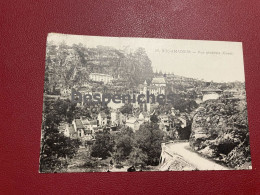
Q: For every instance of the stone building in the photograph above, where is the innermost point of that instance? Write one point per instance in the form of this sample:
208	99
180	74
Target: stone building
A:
157	86
105	78
211	93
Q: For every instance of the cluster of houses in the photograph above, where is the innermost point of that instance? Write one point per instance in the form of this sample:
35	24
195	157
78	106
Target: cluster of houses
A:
156	87
85	129
85	126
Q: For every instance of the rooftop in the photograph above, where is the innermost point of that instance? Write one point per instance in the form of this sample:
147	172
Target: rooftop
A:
71	130
94	122
211	88
159	80
131	120
79	124
100	74
103	115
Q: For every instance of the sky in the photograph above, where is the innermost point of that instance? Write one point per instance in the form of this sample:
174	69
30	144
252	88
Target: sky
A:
218	61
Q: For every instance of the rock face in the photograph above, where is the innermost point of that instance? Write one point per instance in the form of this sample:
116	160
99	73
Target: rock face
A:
220	131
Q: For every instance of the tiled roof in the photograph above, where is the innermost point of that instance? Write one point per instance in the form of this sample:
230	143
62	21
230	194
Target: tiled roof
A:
88	131
79	124
85	121
93	122
158	80
131	120
211	89
103	115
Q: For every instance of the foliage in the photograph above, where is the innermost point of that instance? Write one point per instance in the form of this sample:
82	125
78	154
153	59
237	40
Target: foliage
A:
103	145
126	109
154	118
124	142
149	139
183	104
225	131
138	157
56	148
72	64
140	148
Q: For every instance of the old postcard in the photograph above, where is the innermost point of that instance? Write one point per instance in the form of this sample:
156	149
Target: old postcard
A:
116	104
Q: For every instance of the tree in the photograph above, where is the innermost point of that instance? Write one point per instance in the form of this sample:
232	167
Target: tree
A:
124	142
149	139
55	147
126	109
138	157
62	53
154	118
143	69
103	145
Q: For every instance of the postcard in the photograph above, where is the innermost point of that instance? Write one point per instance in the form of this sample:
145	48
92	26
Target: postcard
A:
121	104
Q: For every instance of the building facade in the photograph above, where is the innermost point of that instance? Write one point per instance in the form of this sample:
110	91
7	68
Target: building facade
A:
98	77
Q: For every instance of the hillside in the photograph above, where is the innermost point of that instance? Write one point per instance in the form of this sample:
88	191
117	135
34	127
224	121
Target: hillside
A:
67	66
220	131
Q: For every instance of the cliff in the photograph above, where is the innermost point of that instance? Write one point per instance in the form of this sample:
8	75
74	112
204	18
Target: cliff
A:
71	65
220	131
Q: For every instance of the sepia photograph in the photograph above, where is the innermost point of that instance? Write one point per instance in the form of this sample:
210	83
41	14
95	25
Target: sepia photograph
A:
121	104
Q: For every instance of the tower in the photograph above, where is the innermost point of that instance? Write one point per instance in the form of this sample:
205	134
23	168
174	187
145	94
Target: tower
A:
145	86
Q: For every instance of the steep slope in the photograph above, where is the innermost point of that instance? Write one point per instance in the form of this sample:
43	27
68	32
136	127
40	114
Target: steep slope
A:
220	131
71	65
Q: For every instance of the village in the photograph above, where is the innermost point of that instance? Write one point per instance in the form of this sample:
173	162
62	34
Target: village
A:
85	128
105	70
133	115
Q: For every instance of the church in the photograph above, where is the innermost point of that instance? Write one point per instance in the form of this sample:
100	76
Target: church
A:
157	86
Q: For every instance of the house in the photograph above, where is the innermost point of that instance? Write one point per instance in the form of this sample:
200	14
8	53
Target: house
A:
144	117
232	93
102	119
93	123
105	78
117	118
133	123
79	128
165	122
159	81
70	131
156	90
88	127
141	116
211	93
158	86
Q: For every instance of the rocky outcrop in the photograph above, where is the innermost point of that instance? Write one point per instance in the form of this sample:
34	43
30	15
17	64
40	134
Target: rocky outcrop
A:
220	131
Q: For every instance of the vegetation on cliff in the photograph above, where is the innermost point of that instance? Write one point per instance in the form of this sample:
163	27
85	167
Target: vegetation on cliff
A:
72	65
220	131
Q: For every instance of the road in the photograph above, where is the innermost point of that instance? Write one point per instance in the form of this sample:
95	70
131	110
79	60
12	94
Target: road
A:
193	158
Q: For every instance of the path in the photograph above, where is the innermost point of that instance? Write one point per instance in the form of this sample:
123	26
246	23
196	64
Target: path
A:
201	163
